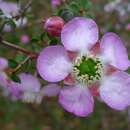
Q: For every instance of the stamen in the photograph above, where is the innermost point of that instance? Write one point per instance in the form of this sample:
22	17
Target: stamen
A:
87	69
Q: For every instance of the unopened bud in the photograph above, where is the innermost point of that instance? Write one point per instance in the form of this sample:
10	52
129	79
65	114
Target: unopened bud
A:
54	25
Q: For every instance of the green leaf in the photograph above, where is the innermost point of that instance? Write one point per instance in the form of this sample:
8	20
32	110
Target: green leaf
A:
20	58
54	41
1	12
15	78
10	22
74	7
12	63
44	34
35	38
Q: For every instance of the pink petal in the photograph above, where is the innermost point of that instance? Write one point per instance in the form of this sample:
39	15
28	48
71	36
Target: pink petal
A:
114	51
72	55
29	83
110	69
79	34
4	82
77	100
9	8
53	63
69	80
95	50
25	38
55	2
51	90
115	90
15	90
3	63
94	89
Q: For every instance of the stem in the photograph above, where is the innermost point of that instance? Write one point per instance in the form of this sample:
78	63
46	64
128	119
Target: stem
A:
20	64
17	48
23	11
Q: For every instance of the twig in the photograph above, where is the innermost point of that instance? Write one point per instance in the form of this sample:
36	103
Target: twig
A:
17	48
20	65
22	11
27	6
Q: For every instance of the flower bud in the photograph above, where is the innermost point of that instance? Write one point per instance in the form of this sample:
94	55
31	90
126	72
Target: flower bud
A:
54	25
55	2
128	27
25	39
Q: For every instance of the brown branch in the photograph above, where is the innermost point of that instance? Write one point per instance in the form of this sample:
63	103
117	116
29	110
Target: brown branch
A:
18	48
22	11
20	65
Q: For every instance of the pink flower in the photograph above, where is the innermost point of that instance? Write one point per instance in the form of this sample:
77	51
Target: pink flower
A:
128	26
3	63
3	77
27	90
30	91
12	9
96	64
25	39
55	2
4	81
9	8
51	90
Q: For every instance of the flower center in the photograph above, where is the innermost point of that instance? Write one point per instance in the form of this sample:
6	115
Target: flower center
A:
87	69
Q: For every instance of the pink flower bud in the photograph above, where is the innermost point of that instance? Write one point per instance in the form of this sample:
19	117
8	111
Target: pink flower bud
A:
128	27
55	2
54	25
25	38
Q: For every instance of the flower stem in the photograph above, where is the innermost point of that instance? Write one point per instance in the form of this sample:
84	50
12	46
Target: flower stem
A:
18	48
20	65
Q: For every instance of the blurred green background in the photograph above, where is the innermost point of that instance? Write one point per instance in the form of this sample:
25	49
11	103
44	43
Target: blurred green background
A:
49	115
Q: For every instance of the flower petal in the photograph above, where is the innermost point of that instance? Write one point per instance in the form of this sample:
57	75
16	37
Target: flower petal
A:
114	52
70	80
9	8
115	90
3	63
79	34
15	90
3	79
29	83
77	100
51	90
4	82
53	63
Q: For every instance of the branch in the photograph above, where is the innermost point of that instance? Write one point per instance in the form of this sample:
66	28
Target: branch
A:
17	48
22	11
20	65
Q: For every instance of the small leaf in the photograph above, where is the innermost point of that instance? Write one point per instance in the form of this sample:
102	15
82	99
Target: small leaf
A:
12	63
42	36
20	57
10	22
15	78
54	41
35	38
1	12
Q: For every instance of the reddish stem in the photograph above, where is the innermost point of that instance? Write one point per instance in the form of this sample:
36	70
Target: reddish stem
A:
17	48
